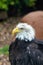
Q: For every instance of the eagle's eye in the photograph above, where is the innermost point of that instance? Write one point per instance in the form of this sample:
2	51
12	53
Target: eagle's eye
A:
21	28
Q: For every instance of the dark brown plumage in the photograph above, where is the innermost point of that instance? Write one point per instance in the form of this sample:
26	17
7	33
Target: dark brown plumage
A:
26	53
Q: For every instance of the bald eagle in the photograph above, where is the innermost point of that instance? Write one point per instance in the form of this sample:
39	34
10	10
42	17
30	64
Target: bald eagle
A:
26	49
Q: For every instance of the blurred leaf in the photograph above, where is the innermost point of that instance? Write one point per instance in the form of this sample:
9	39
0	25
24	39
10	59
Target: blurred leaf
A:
5	6
4	0
4	50
12	3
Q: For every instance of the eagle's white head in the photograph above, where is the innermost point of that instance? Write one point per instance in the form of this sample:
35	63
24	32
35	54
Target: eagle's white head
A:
24	31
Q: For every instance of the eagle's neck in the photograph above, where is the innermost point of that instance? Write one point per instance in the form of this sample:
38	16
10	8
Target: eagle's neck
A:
25	36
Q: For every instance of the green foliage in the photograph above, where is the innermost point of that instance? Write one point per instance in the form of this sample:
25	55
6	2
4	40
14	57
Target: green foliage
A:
30	3
4	50
4	4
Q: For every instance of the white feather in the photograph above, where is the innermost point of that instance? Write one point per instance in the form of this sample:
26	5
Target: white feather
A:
27	34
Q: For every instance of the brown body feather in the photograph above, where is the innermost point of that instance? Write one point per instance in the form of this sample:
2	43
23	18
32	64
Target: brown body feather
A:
36	20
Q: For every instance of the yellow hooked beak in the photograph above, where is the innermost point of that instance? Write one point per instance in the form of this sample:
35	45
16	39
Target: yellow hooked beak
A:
16	30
